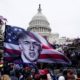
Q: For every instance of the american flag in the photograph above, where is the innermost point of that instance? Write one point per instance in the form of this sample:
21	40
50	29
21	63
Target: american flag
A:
12	51
11	48
48	54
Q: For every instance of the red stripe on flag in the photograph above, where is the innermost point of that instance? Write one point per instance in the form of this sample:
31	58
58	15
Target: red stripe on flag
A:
46	47
52	56
11	51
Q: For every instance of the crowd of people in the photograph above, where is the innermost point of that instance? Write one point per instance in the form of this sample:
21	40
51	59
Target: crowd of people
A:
13	71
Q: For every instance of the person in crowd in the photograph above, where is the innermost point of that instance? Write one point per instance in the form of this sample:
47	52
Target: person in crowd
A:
70	74
78	74
49	77
27	73
5	77
62	74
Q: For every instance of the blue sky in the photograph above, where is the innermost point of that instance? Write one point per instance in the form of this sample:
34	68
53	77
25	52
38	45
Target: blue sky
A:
63	15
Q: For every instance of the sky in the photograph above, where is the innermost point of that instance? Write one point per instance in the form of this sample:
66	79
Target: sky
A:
63	15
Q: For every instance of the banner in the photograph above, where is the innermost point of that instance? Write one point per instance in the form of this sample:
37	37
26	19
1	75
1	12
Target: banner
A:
29	47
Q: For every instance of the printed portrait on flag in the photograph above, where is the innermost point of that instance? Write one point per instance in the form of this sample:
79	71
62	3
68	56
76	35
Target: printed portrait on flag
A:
21	46
30	47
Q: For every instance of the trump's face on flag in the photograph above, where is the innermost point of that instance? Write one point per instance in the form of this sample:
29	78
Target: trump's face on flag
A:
25	47
30	48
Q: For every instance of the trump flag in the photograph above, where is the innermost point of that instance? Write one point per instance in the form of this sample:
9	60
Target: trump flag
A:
12	52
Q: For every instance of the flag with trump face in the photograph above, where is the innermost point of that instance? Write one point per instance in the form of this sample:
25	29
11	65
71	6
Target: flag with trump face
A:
19	46
29	47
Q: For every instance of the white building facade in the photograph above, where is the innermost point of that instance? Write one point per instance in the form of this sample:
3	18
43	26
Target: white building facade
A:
40	24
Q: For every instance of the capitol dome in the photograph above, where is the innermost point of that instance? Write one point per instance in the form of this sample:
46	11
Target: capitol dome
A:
39	23
39	16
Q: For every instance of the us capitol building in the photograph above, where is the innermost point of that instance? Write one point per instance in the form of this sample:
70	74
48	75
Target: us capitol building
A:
40	24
